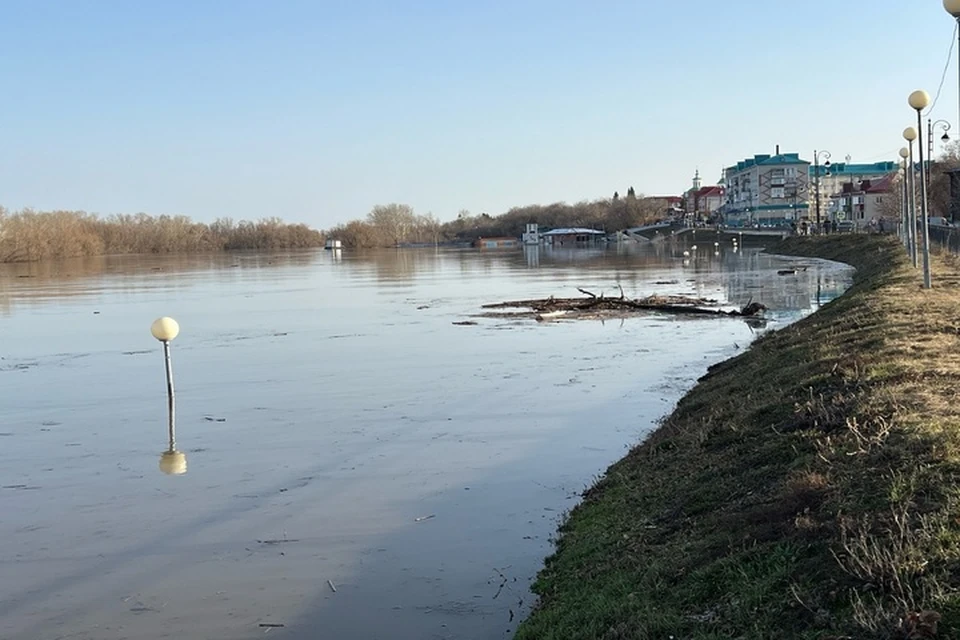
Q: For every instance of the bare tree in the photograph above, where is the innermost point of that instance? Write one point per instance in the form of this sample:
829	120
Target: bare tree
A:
890	207
394	221
430	227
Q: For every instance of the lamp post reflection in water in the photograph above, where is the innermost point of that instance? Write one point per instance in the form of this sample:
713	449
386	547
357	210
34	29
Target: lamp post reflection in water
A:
172	462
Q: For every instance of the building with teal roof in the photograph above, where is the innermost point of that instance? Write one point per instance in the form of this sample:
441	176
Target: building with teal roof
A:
780	190
767	191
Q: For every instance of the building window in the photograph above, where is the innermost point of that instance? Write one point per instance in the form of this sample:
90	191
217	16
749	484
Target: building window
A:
879	199
791	172
776	192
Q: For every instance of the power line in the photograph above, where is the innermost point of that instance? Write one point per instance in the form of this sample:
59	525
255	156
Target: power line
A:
886	155
946	67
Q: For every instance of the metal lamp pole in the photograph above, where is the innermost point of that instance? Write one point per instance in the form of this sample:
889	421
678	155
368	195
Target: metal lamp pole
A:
904	212
904	203
945	138
816	177
172	462
910	135
918	101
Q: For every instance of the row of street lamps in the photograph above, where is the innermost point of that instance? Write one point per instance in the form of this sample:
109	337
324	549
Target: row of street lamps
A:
918	101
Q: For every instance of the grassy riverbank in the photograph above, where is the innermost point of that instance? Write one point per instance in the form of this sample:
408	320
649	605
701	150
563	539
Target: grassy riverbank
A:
808	488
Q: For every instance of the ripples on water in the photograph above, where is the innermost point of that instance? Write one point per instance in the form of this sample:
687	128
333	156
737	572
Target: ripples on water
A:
328	407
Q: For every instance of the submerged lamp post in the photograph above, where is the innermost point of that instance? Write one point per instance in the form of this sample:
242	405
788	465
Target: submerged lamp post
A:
918	101
910	135
172	462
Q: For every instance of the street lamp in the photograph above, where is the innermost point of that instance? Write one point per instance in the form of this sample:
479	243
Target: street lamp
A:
918	101
816	175
910	135
172	462
945	138
944	126
906	236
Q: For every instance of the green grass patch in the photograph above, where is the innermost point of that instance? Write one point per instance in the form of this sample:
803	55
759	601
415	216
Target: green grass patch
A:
808	488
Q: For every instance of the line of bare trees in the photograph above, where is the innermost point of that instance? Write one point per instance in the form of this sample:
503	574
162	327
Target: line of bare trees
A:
397	224
29	235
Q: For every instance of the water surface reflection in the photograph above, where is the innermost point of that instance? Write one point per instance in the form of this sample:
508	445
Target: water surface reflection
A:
330	405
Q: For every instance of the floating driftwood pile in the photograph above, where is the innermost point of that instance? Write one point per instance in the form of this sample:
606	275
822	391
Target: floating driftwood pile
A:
599	306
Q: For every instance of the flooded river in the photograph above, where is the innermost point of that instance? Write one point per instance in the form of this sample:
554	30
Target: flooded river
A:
358	465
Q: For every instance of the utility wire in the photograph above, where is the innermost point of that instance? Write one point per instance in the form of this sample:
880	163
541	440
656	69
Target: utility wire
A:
886	155
946	67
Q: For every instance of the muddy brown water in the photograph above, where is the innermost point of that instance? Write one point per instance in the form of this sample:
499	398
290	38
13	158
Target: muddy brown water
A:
340	431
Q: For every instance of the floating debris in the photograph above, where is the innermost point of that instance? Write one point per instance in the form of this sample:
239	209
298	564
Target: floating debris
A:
599	307
790	272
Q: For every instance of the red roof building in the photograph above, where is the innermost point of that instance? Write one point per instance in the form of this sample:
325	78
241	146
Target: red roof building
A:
702	202
866	202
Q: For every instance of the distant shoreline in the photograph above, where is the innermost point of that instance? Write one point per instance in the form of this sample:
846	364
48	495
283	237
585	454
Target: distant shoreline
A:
30	236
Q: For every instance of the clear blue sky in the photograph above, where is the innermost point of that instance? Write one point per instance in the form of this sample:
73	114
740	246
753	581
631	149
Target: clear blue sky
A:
316	111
